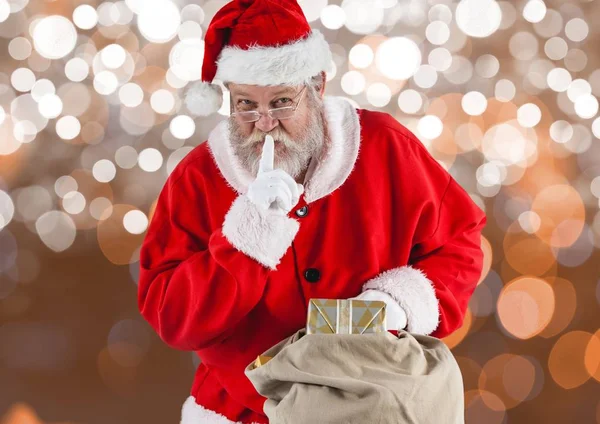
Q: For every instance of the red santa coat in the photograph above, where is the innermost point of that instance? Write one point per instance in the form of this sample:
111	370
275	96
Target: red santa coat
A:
219	278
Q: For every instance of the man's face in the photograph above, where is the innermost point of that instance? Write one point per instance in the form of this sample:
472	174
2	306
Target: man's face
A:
297	138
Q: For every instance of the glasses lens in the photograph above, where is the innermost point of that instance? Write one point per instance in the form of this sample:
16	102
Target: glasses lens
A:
248	116
282	113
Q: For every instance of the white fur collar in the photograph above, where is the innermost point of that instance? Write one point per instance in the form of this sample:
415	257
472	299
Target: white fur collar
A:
326	175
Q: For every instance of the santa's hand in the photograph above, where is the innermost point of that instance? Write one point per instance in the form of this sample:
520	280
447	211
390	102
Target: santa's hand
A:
273	189
395	316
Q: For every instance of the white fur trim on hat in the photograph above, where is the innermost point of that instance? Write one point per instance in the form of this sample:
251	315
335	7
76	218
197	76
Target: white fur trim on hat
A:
203	98
291	64
414	292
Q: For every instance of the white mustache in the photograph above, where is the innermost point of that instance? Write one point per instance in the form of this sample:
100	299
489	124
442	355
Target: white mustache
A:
259	137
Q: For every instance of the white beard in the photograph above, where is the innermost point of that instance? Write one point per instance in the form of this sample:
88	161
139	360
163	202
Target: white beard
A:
295	156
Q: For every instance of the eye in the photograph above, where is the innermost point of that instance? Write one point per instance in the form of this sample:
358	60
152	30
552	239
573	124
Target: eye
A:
245	100
284	101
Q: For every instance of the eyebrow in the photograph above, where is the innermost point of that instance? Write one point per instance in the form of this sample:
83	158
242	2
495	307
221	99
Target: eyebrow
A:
287	91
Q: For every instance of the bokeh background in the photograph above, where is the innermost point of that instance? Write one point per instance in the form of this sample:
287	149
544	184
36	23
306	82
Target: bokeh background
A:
92	121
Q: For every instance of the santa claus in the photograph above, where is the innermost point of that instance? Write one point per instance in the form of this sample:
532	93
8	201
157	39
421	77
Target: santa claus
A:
337	203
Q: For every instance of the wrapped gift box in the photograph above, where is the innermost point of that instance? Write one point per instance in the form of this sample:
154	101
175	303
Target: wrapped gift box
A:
345	316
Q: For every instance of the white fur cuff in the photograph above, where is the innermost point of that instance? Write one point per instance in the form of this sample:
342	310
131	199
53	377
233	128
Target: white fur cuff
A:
414	292
262	235
192	413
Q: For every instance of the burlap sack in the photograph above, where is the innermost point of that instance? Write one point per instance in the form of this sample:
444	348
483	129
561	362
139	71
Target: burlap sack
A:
367	378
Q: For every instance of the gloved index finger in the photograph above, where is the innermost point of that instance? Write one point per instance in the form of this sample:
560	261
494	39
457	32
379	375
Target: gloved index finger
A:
268	155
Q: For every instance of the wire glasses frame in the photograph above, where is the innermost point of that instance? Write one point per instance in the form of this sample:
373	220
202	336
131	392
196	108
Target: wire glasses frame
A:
278	113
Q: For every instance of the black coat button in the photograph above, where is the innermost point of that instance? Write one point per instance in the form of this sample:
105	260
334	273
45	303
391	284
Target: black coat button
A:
312	275
302	212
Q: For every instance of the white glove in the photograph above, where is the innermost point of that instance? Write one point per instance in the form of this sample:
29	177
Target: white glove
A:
395	317
273	190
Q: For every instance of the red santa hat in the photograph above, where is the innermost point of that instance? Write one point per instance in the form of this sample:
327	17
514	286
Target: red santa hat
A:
257	42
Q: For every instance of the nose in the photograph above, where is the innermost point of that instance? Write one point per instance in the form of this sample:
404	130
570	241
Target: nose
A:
266	123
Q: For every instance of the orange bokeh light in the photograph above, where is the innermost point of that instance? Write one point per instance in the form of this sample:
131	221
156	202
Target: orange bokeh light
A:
567	359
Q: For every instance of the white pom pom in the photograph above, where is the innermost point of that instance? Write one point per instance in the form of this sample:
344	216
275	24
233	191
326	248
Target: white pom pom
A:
203	98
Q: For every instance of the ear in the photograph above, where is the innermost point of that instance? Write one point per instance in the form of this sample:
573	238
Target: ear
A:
322	85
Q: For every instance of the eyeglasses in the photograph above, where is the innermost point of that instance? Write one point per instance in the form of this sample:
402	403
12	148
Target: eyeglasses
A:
278	113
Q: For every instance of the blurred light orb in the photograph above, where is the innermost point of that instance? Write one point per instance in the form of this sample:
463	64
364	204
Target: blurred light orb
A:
525	306
31	202
189	30
426	76
508	144
162	101
131	95
586	106
24	131
551	25
410	101
4	10
523	45
437	33
398	58
64	185
158	21
41	88
440	58
85	16
191	12
534	11
68	127
126	157
362	16
186	58
361	56
578	88
106	82
556	48
50	106
353	82
440	12
595	127
19	48
529	115
73	202
576	60
478	18
430	126
135	221
561	131
379	94
7	209
559	79
104	171
333	17
113	56
77	69
577	29
100	208
182	127
22	79
474	103
505	90
56	230
150	160
487	66
491	174
567	361
54	37
312	8
530	222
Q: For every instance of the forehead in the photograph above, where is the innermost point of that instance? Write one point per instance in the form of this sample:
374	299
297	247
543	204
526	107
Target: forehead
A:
260	91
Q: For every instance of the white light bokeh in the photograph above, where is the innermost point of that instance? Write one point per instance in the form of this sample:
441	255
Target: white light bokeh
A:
135	221
312	8
73	202
529	115
104	171
440	58
41	88
189	30
487	66
426	76
437	33
162	101
7	209
361	56
596	127
54	37
186	58
22	79
556	48
478	18
68	127
410	101
362	16
159	21
577	29
379	94
64	185
182	127
559	79
56	230
398	58
100	208
586	106
131	95
50	106
353	83
534	11
113	56
19	48
77	69
150	160
106	82
430	127
578	88
85	16
561	131
333	17
474	103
